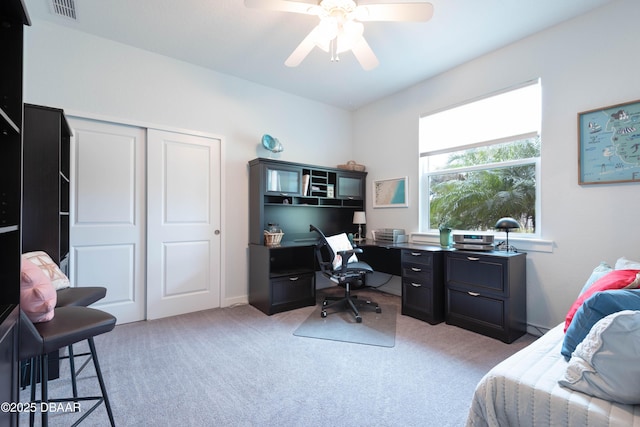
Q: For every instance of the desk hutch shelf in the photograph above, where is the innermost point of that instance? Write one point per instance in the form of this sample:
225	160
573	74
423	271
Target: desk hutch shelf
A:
293	196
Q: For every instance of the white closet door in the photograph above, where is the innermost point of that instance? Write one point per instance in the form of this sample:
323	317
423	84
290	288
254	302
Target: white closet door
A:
107	233
183	223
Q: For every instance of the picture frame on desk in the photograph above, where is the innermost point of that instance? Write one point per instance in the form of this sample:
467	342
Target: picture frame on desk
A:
391	193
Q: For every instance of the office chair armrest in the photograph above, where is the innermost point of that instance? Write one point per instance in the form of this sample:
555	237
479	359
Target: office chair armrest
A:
349	252
345	255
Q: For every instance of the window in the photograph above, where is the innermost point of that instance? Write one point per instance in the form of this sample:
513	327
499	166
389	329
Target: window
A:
481	161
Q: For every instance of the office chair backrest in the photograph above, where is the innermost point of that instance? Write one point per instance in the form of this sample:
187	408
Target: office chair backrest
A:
322	246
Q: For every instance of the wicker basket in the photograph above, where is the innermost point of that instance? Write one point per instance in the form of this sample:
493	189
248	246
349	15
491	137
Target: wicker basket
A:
272	239
352	166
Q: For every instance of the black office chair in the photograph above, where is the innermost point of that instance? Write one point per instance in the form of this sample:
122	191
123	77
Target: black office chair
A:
68	326
346	274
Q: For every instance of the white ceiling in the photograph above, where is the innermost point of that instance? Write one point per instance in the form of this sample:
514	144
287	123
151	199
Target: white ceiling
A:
253	44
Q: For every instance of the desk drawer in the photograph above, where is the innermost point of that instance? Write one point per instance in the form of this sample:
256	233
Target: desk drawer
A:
477	272
417	273
417	257
472	309
417	301
293	289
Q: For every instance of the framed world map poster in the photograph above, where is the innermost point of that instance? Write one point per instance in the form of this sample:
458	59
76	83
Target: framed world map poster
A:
609	144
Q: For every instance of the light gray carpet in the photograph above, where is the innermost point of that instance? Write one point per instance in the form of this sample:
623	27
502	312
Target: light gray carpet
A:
375	329
236	366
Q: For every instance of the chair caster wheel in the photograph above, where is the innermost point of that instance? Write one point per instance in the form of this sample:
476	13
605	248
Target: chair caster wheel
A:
323	313
324	303
358	319
378	310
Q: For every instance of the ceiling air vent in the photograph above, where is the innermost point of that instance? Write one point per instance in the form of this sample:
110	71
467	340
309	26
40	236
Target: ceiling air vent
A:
64	8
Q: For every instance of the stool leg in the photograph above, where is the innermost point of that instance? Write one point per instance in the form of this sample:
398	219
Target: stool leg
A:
44	378
72	367
96	364
34	365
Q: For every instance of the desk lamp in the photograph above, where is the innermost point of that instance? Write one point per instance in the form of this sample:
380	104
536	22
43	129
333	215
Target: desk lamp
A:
359	218
507	224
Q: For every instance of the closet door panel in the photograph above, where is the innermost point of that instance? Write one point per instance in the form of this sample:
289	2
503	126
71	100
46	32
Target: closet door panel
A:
108	214
183	223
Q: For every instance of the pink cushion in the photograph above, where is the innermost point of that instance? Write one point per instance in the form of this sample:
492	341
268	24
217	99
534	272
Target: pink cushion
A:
616	279
50	268
37	295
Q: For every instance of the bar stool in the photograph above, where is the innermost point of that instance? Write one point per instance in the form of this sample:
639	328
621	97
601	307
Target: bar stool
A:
78	297
69	325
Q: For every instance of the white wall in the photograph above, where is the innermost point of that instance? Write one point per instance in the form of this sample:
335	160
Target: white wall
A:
587	63
84	74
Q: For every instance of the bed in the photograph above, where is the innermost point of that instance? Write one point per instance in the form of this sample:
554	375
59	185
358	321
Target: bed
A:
525	389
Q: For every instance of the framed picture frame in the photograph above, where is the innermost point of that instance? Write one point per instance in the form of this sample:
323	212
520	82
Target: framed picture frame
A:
391	193
609	144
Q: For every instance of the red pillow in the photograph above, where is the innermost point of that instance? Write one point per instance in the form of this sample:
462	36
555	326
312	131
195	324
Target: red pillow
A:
617	279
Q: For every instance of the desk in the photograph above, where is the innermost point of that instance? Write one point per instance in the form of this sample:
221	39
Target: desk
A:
484	292
421	271
481	291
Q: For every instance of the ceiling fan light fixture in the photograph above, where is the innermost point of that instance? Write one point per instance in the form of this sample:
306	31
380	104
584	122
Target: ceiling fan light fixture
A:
339	30
349	36
328	29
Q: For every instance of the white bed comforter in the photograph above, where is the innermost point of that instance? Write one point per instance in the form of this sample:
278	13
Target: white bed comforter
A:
523	390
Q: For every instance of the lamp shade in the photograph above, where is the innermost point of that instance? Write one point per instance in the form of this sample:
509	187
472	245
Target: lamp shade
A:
359	218
507	223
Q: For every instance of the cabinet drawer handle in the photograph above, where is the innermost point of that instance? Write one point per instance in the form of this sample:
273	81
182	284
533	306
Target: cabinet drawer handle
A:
416	285
416	253
415	269
284	194
473	294
293	279
473	258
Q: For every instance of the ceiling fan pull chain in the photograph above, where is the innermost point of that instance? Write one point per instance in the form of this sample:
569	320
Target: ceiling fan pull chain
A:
332	49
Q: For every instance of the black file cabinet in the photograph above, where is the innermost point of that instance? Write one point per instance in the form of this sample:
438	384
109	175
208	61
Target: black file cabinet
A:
281	278
422	285
486	293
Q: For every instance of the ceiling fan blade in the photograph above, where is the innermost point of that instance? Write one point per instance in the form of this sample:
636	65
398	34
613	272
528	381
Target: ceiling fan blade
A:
365	56
405	12
306	7
303	49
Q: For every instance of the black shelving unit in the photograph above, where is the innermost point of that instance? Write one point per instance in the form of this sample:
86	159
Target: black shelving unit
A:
13	18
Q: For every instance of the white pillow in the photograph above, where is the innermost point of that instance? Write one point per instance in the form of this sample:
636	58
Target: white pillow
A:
50	268
605	364
626	264
340	242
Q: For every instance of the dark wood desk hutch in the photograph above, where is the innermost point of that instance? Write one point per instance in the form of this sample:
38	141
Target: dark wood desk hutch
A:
282	277
13	18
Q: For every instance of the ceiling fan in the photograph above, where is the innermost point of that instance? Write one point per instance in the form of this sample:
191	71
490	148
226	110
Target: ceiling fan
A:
340	28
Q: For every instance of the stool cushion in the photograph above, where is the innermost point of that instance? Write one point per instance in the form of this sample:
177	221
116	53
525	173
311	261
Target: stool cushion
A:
69	326
37	295
82	296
